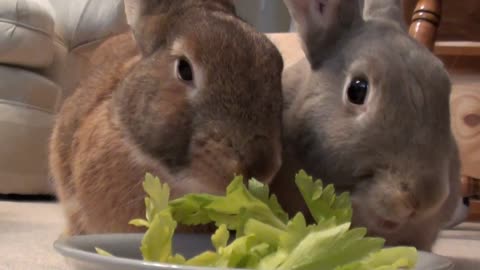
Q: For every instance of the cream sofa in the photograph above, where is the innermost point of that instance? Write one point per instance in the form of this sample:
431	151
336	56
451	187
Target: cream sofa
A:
44	49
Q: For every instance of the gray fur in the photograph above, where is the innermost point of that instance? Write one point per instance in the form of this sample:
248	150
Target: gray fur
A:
396	154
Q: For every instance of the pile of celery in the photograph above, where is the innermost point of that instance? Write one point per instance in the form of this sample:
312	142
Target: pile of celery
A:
265	238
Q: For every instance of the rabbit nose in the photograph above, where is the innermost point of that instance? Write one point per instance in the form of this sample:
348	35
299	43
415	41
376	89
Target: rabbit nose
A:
406	206
400	209
263	158
410	203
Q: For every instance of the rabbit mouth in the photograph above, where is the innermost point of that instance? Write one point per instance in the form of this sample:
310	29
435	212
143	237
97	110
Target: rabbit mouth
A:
376	223
385	225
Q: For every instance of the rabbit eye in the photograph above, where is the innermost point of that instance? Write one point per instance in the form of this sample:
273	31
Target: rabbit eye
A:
184	70
357	91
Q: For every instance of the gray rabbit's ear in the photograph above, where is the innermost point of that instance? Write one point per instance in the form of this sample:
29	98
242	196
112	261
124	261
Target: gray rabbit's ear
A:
321	23
148	21
390	11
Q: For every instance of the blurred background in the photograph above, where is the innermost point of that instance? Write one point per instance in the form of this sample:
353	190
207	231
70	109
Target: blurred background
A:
268	16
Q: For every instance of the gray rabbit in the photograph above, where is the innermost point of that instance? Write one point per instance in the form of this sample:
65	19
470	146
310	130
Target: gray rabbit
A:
368	110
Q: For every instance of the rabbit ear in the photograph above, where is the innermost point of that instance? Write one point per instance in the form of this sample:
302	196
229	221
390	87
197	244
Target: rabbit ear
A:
321	23
386	10
150	20
149	23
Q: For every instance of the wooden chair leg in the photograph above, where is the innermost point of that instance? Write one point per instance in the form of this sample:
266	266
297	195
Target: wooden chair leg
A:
471	191
425	22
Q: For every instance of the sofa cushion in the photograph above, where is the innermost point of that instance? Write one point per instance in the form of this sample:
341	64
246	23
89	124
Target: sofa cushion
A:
81	22
80	27
23	144
28	89
26	31
27	105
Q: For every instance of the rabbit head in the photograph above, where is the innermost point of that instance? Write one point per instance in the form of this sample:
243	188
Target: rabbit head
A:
206	97
372	114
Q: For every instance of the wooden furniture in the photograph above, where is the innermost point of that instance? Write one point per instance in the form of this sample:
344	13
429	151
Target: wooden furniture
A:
425	22
461	55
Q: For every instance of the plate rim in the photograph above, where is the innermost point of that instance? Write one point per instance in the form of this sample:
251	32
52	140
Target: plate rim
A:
63	246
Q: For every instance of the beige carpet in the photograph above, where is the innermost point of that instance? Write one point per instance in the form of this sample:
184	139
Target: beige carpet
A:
28	229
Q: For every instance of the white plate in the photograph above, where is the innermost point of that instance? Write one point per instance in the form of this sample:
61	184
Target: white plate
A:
80	254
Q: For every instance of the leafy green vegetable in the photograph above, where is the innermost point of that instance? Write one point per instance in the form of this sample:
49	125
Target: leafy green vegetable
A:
157	242
261	192
234	209
103	252
322	202
220	238
386	259
265	237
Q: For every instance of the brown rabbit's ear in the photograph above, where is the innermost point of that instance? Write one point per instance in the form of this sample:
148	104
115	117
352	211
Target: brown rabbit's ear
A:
390	11
149	23
321	23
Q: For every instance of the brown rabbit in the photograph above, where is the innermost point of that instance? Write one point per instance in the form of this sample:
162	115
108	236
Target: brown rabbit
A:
193	96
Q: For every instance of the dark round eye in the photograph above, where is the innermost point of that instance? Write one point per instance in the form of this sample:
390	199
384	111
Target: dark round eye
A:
184	70
357	91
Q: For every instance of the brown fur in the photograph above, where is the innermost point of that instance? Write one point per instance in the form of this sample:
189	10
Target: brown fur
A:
132	115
